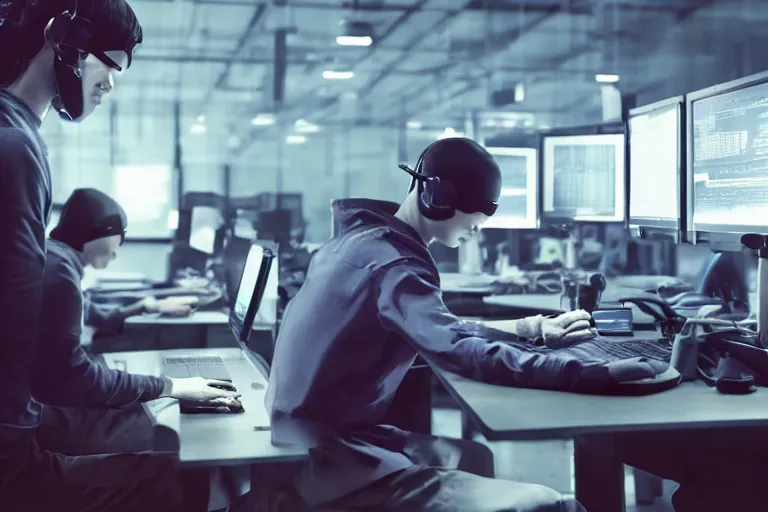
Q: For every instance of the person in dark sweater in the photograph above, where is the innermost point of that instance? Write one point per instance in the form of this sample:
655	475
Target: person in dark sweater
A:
90	231
63	54
370	304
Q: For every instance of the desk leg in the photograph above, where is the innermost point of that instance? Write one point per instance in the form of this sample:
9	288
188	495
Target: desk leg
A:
599	473
466	426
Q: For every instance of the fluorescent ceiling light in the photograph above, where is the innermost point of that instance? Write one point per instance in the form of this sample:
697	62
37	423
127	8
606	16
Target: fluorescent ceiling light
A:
607	79
354	40
197	129
338	75
263	120
302	126
414	125
295	139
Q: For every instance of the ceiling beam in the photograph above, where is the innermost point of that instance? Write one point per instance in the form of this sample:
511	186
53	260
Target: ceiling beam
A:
254	25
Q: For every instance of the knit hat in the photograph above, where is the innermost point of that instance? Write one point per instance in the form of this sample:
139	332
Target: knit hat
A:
88	215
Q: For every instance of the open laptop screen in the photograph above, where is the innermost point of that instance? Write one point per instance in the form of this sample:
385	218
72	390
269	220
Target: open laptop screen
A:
252	285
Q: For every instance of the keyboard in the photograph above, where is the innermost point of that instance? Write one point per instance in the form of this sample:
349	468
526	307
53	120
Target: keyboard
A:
193	360
208	367
614	350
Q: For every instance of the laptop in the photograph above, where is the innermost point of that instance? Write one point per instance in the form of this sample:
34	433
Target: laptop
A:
253	283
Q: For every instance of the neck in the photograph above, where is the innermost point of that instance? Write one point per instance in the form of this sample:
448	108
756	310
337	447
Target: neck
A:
34	89
409	213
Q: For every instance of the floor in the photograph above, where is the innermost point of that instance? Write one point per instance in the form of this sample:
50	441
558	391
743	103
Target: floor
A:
548	463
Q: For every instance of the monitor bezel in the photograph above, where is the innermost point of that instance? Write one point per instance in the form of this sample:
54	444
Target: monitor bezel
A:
648	227
532	156
714	234
618	128
242	329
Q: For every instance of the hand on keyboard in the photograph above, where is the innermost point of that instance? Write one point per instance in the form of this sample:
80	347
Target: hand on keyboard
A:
567	329
198	389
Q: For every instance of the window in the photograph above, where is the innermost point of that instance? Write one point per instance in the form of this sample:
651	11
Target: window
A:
144	191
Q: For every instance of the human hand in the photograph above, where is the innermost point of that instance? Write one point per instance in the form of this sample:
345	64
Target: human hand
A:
198	389
566	329
176	306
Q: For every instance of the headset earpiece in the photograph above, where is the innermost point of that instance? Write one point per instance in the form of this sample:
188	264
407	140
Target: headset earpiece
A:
57	30
437	199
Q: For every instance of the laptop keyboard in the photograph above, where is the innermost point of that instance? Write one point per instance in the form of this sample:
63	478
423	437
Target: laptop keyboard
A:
193	360
602	348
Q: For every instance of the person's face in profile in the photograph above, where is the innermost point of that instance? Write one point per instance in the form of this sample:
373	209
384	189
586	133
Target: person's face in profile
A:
99	80
100	252
460	228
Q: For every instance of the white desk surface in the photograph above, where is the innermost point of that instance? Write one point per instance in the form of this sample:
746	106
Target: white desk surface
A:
215	439
197	317
460	283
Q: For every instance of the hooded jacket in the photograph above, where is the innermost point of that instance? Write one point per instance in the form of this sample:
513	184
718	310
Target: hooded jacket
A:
370	303
25	204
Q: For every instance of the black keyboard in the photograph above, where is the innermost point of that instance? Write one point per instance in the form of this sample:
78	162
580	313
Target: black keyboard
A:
193	360
615	350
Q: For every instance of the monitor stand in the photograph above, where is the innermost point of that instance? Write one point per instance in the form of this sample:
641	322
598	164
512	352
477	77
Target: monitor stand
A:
759	243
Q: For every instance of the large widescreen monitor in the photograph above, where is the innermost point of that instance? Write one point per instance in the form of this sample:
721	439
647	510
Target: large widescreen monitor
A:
518	204
728	158
583	177
655	144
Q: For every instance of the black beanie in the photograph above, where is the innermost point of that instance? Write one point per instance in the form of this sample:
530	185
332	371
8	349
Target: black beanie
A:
468	166
88	215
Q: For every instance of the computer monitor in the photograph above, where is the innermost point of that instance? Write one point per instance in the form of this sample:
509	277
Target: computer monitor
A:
204	222
518	204
234	256
728	159
583	176
655	143
253	283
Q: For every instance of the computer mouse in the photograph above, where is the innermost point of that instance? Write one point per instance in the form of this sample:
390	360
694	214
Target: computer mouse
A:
661	382
224	387
235	406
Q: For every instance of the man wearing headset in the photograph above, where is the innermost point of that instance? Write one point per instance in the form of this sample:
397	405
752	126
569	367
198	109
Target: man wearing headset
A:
370	304
65	54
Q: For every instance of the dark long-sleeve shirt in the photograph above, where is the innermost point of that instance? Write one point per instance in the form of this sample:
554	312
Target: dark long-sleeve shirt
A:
25	203
64	374
371	302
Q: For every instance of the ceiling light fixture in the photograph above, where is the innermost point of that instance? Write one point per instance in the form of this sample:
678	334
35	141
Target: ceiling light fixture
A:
302	126
338	75
356	33
295	139
197	129
201	119
414	125
606	79
263	120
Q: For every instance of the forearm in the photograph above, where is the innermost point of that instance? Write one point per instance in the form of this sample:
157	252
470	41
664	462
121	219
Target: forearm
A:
498	330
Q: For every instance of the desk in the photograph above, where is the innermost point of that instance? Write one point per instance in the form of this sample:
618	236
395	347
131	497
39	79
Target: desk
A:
196	318
504	414
201	329
458	284
214	439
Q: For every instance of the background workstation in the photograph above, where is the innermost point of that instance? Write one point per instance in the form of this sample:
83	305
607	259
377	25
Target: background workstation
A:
247	118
